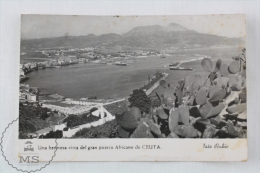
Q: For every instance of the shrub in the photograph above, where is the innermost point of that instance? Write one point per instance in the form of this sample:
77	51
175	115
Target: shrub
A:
139	99
76	120
107	130
52	134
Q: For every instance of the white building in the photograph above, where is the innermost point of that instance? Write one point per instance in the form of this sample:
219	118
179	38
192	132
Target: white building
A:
67	108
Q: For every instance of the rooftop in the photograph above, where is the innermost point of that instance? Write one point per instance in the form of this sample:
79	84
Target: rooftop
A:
60	104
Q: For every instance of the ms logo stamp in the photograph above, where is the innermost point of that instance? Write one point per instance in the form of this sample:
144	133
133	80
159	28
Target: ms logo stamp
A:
29	156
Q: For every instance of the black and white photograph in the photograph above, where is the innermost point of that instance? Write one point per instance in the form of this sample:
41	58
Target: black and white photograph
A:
132	77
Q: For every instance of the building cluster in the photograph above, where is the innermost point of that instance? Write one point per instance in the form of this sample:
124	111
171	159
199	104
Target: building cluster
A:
67	109
27	94
182	47
63	57
27	68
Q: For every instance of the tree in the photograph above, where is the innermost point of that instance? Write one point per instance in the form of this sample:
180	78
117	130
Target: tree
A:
139	99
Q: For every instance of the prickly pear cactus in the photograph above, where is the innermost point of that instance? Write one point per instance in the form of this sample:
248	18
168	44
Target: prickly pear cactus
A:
127	120
215	110
173	119
123	133
243	115
209	132
237	109
234	67
185	114
190	101
136	112
161	113
242	96
233	130
169	98
213	89
218	65
233	80
214	107
205	109
218	96
222	82
207	65
224	70
142	131
179	92
154	127
201	96
198	79
172	135
215	121
186	131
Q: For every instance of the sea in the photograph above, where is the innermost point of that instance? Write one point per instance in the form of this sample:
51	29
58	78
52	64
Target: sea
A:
111	81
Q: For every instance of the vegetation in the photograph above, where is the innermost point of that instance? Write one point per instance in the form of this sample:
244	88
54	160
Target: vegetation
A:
139	99
76	120
214	108
107	130
52	134
32	118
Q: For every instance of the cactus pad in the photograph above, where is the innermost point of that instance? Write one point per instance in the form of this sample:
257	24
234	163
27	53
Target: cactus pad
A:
242	96
233	130
215	121
161	113
142	131
215	110
209	132
243	115
233	80
218	65
201	96
198	79
234	67
154	127
222	82
185	114
205	109
123	133
190	101
213	89
237	108
172	135
224	70
186	131
206	64
127	120
136	112
218	96
173	119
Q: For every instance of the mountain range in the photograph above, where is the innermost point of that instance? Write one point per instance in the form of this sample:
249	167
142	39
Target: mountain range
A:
152	37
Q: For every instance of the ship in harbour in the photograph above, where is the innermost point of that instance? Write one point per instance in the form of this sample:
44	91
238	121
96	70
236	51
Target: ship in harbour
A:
176	66
180	68
120	63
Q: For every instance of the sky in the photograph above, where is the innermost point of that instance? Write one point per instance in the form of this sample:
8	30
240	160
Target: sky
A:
42	26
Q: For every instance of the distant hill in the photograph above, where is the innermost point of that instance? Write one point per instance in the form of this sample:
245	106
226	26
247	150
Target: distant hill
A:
153	37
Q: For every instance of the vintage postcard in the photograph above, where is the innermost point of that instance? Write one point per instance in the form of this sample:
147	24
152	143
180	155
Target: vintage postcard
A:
133	88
